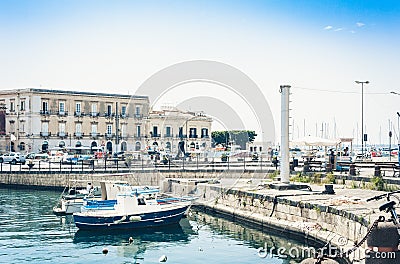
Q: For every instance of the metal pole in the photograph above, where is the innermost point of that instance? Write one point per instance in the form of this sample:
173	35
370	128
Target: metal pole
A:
398	137
362	119
285	170
362	115
116	128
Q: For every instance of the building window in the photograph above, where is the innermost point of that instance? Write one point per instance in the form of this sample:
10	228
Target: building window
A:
137	111
22	105
45	107
109	129
168	146
138	131
94	109
109	110
123	130
94	130
78	108
12	106
204	132
78	129
45	129
155	131
192	132
61	129
123	111
137	146
22	146
168	131
180	132
61	108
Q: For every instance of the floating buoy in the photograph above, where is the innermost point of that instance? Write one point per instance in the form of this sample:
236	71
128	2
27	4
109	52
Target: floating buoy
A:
130	240
105	251
163	258
200	249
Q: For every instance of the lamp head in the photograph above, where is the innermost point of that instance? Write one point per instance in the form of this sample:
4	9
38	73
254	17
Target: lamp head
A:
398	114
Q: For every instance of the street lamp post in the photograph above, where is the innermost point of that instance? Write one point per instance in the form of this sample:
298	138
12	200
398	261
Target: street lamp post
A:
362	115
398	137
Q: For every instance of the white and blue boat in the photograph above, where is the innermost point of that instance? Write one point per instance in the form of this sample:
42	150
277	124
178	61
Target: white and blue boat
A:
103	195
139	208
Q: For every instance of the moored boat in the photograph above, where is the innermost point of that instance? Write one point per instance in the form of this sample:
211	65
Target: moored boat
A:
74	197
134	209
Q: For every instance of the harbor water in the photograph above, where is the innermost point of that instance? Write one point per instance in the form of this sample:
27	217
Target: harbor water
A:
29	232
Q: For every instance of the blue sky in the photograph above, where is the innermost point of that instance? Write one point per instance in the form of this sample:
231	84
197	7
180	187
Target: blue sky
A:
318	47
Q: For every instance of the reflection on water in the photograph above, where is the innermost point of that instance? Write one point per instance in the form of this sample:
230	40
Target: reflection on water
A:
30	233
142	239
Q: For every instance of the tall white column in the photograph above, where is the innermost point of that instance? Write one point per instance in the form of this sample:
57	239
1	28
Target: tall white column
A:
285	169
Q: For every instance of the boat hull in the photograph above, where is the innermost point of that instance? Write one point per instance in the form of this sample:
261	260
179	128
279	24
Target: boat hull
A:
85	221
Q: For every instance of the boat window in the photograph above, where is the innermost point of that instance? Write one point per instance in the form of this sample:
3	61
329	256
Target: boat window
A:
141	201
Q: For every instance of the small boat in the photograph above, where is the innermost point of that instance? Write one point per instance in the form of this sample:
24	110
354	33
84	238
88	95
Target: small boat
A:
72	197
138	208
71	201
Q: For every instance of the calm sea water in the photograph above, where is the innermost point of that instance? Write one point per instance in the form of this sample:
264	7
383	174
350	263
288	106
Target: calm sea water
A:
29	232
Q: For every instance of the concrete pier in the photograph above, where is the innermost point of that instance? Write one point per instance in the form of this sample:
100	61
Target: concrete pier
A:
341	218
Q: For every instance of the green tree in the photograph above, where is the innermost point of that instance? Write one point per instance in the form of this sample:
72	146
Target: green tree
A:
237	137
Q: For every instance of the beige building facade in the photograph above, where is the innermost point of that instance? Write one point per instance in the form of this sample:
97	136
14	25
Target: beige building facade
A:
175	131
38	120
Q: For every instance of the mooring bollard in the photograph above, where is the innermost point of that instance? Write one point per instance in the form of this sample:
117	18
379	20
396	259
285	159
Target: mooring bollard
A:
352	170
377	171
383	243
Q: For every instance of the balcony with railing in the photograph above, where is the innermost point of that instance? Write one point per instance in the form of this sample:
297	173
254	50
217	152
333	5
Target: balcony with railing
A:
62	113
45	134
168	135
109	135
44	112
94	114
78	134
137	136
78	114
193	136
108	115
181	136
155	135
62	134
94	134
205	136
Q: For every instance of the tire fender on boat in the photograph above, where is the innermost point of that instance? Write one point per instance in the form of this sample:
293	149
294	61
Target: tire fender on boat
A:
135	218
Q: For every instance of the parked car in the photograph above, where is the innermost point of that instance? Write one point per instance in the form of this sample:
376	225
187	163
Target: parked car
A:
12	158
120	155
